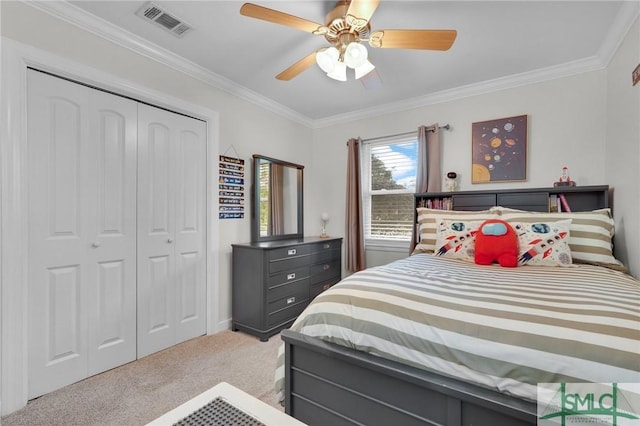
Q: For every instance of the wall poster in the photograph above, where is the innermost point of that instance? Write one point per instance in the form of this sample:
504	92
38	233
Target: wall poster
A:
499	150
231	188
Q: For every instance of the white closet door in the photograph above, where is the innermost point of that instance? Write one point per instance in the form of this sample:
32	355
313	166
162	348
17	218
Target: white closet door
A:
171	229
190	228
81	170
113	258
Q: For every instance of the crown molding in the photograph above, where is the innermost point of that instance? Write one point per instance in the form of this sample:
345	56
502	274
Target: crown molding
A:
74	15
627	16
80	18
503	83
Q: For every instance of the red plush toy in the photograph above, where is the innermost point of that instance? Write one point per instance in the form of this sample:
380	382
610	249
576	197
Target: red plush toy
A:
496	241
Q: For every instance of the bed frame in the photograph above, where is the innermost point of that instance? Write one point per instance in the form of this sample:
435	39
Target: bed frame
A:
326	384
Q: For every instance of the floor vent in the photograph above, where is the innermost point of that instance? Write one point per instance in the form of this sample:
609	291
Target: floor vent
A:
162	18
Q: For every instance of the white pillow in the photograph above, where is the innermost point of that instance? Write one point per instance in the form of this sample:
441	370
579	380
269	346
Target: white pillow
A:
543	243
591	233
456	238
427	224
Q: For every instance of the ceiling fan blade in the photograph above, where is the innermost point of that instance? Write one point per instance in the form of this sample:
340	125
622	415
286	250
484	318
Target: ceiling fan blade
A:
360	12
259	12
295	69
413	39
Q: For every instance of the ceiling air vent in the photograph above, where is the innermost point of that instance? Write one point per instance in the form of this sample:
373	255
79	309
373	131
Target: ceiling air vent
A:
164	19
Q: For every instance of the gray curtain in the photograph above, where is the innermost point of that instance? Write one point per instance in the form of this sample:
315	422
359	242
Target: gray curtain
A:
429	176
354	235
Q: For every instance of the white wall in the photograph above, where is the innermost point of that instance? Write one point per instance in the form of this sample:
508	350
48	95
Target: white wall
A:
249	128
623	147
566	127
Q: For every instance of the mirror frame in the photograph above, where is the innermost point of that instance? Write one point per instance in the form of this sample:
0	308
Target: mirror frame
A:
255	201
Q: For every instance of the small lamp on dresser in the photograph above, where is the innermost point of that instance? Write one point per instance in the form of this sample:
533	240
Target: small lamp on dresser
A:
325	218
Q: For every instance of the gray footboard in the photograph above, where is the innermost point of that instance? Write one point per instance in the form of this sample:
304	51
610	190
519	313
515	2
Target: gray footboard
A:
326	384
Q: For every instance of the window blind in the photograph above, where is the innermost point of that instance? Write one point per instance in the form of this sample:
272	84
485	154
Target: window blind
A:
389	169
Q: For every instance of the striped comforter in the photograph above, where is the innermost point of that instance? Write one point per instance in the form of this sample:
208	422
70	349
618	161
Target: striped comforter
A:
506	329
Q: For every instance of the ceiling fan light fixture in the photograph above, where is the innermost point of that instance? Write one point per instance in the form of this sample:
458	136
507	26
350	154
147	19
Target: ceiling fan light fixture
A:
364	69
346	27
339	72
355	55
327	59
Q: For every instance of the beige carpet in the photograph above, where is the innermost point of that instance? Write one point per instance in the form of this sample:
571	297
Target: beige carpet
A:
140	391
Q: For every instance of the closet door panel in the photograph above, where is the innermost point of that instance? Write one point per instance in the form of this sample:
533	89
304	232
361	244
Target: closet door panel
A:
57	234
190	181
62	317
190	227
112	253
190	296
159	176
111	318
81	231
171	227
114	172
160	294
64	175
156	229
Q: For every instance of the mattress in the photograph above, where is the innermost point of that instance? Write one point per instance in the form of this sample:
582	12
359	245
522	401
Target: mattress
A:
505	329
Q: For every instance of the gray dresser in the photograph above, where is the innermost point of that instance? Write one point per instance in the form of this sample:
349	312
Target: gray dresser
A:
274	281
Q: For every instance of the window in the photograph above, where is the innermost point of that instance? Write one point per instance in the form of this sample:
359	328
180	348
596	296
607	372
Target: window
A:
388	184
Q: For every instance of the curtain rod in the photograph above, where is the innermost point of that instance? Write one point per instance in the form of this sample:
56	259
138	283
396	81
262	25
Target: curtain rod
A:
429	129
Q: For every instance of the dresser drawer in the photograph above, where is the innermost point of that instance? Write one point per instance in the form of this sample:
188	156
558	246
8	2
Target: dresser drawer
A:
288	275
326	246
316	289
325	256
285	265
288	252
286	290
287	314
287	308
324	271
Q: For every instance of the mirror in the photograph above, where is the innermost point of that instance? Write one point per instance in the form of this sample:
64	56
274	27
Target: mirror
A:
276	207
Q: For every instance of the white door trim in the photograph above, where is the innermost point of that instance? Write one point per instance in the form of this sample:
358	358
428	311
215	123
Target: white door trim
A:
15	59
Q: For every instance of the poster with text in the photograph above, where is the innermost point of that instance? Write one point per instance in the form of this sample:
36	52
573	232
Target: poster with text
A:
231	188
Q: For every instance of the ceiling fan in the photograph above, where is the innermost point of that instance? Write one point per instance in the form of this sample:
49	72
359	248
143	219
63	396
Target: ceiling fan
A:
345	28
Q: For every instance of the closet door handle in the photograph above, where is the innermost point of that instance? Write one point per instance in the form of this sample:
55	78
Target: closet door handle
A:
169	240
95	244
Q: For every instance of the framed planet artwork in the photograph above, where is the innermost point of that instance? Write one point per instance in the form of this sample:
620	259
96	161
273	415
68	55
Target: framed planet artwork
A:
499	150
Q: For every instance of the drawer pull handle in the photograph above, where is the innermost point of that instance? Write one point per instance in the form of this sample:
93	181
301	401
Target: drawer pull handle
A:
325	267
327	246
291	276
291	300
291	252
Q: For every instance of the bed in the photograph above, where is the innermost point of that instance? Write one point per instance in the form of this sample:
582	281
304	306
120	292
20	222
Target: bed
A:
434	339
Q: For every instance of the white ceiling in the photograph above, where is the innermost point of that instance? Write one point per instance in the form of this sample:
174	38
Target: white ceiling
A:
499	44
